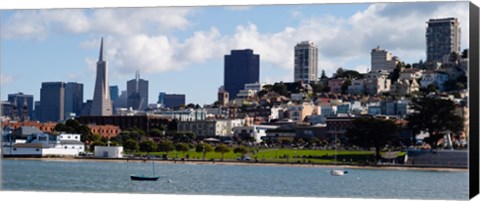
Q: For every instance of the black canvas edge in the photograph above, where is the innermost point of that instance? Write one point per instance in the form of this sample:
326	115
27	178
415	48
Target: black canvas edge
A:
473	79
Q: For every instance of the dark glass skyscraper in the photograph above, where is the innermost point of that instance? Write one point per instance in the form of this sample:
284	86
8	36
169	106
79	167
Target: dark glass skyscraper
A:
52	101
241	67
137	93
73	98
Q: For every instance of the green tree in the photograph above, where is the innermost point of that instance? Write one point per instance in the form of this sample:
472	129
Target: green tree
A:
166	146
435	116
148	146
345	86
241	149
324	75
60	127
369	132
156	133
203	148
339	73
222	149
183	147
280	88
131	145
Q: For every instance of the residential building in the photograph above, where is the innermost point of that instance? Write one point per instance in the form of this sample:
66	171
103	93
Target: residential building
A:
298	112
22	106
254	132
377	82
357	87
383	60
101	104
223	96
52	101
404	86
137	93
240	67
434	77
306	62
410	74
442	38
335	85
210	128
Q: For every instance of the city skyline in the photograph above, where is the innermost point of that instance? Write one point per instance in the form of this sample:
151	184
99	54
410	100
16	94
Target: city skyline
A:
194	42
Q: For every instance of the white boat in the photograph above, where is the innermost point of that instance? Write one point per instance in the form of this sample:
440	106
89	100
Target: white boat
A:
337	172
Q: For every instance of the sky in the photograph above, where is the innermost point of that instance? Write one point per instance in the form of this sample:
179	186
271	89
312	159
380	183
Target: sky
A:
181	49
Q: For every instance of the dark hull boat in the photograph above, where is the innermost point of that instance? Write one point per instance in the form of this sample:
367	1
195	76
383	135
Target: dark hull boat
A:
143	178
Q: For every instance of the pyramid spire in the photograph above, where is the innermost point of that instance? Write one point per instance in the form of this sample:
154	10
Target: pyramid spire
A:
100	58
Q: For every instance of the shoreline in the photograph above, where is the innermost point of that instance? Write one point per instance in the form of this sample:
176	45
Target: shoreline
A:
249	163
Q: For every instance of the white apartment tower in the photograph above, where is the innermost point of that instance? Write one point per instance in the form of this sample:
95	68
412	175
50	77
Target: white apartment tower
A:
306	62
101	105
382	60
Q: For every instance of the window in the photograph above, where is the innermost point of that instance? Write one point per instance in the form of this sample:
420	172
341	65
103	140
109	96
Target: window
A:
14	149
37	149
65	147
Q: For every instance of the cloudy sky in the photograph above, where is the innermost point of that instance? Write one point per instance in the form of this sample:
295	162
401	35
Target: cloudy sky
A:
181	49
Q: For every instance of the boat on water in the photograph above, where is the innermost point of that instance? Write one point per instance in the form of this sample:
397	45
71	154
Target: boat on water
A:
337	172
145	178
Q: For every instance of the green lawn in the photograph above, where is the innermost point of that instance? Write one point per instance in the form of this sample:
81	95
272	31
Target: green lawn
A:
282	155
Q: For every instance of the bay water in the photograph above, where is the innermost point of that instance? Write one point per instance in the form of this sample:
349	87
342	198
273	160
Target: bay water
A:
217	179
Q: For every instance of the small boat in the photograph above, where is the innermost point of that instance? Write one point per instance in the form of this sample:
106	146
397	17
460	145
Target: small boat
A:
145	178
337	172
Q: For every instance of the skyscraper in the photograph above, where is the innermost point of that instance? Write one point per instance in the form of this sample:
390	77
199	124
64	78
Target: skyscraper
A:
171	100
52	101
241	67
23	103
73	99
443	38
101	105
137	93
306	62
113	93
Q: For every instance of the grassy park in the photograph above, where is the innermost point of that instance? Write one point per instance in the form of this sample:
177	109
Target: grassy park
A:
276	155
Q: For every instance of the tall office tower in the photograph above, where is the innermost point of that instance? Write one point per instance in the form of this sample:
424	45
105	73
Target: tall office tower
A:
23	105
113	93
383	60
52	101
73	99
443	38
137	93
101	105
306	62
241	67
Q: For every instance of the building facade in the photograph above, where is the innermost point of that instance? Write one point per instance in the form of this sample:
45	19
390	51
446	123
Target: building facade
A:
171	100
73	99
137	93
52	101
305	62
101	104
240	67
383	60
22	106
443	38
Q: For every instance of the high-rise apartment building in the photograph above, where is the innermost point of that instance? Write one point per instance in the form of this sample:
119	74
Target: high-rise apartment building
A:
383	60
306	62
52	102
443	38
137	93
23	106
101	104
73	99
240	67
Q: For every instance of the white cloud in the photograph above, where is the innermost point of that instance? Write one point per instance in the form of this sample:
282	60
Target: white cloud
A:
5	79
142	39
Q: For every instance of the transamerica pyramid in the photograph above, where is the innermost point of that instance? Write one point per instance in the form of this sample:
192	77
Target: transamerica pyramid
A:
101	105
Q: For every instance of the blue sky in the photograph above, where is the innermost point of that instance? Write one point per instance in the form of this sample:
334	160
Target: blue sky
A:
180	50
